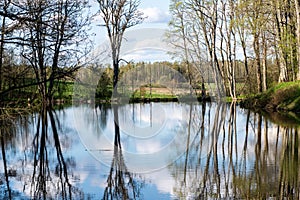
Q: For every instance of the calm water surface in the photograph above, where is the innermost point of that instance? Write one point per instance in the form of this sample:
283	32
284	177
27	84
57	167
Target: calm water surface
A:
168	151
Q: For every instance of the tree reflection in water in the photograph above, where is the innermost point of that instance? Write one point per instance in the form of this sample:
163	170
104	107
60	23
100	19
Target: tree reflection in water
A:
242	161
42	176
9	122
231	153
43	170
6	132
121	184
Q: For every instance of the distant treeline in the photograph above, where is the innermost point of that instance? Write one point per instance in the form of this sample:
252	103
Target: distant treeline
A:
20	83
246	84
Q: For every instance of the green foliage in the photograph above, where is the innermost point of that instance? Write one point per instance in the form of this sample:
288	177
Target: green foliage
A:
104	87
64	90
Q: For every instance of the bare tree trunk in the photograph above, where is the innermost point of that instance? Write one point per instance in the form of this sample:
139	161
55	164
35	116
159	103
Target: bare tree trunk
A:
232	50
203	90
186	53
297	6
264	62
242	38
2	51
116	75
3	32
229	64
257	62
283	74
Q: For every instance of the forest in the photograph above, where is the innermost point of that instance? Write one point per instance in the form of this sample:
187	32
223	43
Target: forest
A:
242	47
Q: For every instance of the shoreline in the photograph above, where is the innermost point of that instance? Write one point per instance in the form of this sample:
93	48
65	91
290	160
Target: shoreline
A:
284	97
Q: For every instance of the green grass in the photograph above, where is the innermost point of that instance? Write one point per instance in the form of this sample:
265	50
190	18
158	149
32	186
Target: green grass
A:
147	95
281	97
284	85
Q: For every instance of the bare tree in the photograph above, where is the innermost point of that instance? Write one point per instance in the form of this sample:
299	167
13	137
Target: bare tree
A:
50	36
118	15
228	43
208	16
180	29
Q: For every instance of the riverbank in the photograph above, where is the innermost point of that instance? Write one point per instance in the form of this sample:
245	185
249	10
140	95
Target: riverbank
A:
284	97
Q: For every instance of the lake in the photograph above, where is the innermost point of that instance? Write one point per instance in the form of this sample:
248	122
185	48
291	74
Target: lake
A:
167	151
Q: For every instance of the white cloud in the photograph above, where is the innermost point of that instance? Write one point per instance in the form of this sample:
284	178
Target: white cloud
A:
155	15
147	56
145	44
163	180
148	147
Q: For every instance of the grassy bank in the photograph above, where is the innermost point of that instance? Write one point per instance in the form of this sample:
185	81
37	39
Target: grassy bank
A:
282	97
143	94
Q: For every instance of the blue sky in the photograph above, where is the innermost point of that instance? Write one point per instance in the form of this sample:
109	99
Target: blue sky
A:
157	18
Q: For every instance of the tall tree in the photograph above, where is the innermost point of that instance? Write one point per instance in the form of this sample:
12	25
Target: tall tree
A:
118	16
228	44
49	35
53	44
207	14
11	76
242	31
255	17
4	31
178	35
281	19
183	35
